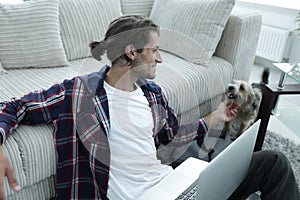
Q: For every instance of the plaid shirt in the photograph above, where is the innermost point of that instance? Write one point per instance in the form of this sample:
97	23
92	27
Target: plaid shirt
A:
78	108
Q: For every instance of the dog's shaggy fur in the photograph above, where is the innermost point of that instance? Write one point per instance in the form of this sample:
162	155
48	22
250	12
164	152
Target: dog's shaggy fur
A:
249	99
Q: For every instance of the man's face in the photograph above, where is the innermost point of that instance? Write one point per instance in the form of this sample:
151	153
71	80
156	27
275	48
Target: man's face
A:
145	64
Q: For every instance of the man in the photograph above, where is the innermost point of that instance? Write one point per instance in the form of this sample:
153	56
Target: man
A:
113	125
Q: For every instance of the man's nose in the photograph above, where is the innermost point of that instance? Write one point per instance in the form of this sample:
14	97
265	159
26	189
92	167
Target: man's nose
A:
158	57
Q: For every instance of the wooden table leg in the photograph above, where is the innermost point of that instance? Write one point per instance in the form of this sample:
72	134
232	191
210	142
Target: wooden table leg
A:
267	104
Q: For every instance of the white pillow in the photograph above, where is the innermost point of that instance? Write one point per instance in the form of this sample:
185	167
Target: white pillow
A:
83	21
131	7
198	21
29	35
183	46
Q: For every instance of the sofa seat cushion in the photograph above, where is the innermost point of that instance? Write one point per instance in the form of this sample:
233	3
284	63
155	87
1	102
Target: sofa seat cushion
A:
29	35
187	85
44	189
37	150
31	152
11	150
18	82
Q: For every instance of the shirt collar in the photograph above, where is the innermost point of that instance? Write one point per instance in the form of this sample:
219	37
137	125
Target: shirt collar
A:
143	83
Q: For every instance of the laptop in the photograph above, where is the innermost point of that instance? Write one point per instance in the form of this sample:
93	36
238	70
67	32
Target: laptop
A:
215	180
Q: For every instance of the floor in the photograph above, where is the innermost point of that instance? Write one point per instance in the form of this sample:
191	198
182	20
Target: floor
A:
286	118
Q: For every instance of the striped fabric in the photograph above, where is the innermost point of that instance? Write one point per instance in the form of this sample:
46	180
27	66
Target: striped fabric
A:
238	44
33	160
40	190
187	85
29	35
184	47
185	79
141	7
11	150
202	21
27	140
18	82
83	21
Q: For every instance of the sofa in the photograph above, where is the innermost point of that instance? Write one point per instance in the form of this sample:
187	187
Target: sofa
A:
204	45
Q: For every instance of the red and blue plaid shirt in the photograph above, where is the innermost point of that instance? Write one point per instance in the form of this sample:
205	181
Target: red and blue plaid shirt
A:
78	109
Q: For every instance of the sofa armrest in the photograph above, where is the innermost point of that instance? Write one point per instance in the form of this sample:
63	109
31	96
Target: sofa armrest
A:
239	41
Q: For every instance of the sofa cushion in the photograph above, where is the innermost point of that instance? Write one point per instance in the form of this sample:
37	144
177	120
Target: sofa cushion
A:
29	35
37	150
185	47
181	79
83	21
18	82
130	7
199	21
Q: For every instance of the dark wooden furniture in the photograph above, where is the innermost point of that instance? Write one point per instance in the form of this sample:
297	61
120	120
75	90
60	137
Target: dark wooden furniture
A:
269	100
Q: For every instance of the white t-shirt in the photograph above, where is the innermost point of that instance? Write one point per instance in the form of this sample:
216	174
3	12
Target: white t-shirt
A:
134	167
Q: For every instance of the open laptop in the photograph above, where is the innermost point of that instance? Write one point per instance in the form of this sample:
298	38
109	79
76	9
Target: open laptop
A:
216	180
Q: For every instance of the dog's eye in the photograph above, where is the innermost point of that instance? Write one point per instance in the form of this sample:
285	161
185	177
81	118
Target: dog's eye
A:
242	87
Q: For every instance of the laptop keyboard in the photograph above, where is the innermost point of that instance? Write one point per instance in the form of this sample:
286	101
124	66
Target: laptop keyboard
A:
190	193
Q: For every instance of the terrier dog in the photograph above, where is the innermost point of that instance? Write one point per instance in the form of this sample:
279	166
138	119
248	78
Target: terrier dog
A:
249	98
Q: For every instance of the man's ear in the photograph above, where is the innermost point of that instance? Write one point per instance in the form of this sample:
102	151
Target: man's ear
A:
130	51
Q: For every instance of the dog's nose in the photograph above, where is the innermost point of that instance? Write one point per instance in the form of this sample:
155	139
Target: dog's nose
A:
230	88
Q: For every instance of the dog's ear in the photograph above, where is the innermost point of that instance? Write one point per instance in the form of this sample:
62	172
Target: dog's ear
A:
258	94
256	87
258	90
250	97
254	98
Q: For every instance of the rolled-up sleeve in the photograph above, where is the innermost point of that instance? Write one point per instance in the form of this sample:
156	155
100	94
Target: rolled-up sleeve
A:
31	109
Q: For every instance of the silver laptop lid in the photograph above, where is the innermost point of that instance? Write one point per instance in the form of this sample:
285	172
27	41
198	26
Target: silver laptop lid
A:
225	172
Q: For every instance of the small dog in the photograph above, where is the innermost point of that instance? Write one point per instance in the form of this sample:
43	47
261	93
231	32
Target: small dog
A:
249	98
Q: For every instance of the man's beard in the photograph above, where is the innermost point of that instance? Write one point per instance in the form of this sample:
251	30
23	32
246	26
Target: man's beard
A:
143	70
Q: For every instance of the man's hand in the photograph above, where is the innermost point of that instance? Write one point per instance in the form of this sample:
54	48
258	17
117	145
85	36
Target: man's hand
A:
6	170
224	113
231	110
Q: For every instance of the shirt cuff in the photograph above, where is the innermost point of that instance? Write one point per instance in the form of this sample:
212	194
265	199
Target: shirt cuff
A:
1	136
203	124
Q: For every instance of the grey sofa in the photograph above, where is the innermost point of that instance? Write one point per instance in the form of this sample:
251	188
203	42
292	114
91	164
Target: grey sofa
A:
193	77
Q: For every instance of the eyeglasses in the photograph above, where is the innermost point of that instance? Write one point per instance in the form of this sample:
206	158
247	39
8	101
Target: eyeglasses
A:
154	49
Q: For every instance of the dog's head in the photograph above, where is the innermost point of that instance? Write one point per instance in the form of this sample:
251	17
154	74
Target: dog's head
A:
242	92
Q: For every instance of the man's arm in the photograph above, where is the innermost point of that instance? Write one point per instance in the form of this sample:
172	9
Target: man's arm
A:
33	108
